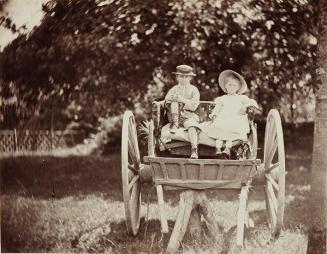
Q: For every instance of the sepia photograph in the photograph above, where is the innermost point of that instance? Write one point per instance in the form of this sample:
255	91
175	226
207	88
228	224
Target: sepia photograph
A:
163	126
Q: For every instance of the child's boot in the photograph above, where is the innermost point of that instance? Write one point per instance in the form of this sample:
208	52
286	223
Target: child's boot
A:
175	123
194	152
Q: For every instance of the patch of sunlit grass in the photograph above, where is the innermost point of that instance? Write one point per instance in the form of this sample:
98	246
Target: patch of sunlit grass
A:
85	224
68	224
94	220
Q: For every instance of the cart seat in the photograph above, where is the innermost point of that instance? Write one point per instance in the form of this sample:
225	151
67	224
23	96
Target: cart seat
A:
178	143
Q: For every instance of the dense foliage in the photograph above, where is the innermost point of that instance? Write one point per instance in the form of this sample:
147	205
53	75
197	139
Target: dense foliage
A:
91	59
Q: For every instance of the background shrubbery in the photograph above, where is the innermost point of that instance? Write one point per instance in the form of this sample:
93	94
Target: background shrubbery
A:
91	59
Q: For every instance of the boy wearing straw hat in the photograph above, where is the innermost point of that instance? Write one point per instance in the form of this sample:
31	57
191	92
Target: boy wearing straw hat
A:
229	119
181	101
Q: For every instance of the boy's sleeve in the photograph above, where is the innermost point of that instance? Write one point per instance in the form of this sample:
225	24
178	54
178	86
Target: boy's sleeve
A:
170	93
193	103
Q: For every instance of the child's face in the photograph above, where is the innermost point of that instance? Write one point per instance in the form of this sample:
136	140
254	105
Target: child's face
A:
183	79
232	85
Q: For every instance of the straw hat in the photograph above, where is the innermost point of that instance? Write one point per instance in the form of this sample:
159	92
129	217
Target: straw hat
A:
222	78
184	70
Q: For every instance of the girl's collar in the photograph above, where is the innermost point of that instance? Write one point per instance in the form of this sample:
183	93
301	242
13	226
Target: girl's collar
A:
184	85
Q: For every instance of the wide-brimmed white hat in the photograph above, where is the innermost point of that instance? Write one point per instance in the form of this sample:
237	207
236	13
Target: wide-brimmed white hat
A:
184	70
222	78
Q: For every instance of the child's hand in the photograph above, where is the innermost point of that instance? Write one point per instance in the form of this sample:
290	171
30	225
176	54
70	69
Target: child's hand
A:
212	118
178	98
173	98
243	110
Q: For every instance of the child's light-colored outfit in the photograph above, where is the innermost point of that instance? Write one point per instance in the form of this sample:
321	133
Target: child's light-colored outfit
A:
229	124
188	117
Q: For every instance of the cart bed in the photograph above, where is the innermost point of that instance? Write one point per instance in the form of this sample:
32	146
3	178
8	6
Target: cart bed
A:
200	174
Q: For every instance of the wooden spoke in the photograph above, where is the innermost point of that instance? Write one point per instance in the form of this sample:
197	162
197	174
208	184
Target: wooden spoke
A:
131	184
135	204
268	135
272	132
133	140
132	155
272	181
272	196
271	210
271	167
130	165
131	175
274	172
271	138
272	152
267	206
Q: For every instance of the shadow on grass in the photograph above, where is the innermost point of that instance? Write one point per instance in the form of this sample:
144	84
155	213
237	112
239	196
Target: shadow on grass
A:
57	177
53	177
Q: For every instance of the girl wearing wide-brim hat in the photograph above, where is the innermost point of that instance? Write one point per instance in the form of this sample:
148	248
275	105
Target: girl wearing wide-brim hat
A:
229	119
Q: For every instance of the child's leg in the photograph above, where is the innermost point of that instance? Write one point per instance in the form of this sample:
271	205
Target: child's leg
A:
229	144
193	136
228	147
219	144
174	110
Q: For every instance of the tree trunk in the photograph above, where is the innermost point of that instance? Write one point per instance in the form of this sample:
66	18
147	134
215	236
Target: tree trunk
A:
318	200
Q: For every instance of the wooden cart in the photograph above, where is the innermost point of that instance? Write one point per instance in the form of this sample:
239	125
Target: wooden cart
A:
170	173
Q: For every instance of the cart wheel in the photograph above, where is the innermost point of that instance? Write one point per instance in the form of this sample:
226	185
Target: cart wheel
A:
130	165
274	171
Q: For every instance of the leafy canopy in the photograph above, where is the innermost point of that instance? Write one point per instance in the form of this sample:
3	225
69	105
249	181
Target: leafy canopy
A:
91	59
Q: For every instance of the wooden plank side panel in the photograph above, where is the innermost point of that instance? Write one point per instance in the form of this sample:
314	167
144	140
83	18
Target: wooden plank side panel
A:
173	170
192	171
164	170
229	172
210	171
201	173
156	169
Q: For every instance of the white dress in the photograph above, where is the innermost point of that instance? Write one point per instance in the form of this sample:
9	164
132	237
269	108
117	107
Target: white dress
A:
229	123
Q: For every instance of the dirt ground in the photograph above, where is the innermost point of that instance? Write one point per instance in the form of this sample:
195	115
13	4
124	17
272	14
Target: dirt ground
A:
74	204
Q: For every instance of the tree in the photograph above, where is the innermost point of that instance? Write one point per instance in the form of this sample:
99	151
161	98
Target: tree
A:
318	196
109	53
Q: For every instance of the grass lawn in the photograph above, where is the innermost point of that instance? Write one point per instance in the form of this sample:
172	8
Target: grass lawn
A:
74	204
